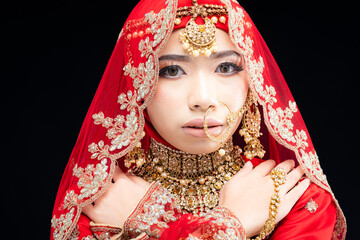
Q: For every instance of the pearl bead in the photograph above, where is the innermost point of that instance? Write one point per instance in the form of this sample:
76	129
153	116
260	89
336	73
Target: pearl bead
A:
207	52
214	20
141	34
221	152
222	19
128	36
196	53
186	45
135	34
177	21
148	30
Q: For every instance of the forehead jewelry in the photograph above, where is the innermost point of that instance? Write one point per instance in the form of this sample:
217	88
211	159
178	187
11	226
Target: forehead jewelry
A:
197	38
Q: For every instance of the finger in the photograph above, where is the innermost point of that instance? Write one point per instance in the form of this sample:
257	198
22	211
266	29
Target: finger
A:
246	169
287	165
294	194
265	167
291	198
291	179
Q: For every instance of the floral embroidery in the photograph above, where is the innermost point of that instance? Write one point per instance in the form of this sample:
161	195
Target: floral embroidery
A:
145	47
105	232
311	206
75	233
281	120
192	237
143	77
89	238
62	224
98	151
160	22
91	178
153	213
231	226
312	163
71	199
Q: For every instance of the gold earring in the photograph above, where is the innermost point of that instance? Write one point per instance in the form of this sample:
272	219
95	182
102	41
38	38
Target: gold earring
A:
250	130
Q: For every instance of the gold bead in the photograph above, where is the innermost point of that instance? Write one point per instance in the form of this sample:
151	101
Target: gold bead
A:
201	28
221	152
202	180
139	162
228	176
218	185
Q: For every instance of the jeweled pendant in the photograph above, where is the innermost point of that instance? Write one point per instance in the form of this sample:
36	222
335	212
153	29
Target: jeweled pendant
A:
198	39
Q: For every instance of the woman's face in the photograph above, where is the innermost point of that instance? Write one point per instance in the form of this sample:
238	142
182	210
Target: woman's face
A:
188	86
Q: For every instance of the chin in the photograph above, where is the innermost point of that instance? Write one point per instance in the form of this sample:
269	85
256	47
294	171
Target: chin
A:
198	146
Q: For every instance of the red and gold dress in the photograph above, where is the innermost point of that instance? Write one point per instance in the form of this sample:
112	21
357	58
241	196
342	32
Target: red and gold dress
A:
116	121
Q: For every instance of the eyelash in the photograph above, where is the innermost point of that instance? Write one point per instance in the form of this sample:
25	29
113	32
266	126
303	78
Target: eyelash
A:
237	68
164	70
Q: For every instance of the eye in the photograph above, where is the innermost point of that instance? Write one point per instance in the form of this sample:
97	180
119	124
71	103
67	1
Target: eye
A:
171	71
228	68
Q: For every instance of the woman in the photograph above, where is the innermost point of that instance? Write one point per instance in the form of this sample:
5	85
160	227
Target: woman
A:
184	80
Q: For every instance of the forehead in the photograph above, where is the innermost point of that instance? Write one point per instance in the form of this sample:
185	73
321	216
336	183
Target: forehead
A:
173	45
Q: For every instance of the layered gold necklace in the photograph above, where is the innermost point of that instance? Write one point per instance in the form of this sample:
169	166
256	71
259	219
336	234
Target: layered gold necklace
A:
195	179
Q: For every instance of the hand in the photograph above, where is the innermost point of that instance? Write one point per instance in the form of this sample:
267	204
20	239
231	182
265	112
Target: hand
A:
249	191
119	200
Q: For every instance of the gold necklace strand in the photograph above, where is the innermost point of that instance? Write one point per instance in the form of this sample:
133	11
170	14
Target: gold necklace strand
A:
195	179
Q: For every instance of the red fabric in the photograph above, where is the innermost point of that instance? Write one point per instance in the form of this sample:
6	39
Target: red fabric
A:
317	225
116	118
298	224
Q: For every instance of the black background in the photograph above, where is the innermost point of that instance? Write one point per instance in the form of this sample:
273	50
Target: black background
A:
53	56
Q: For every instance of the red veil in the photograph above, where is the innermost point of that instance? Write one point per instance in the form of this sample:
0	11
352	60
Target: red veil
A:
116	119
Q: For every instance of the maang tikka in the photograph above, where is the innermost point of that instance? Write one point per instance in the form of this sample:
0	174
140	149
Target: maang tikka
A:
200	38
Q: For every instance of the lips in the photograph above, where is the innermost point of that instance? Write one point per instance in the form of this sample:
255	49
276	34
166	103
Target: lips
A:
195	127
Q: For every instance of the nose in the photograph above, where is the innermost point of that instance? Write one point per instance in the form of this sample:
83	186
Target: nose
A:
202	93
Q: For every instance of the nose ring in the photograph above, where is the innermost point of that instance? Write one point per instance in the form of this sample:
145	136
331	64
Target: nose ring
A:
230	119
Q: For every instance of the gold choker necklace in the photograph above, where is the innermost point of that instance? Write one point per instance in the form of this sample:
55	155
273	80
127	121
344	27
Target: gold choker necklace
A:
195	179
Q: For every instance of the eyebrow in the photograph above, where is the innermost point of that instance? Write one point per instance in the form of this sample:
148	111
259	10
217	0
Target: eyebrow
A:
185	58
177	57
225	53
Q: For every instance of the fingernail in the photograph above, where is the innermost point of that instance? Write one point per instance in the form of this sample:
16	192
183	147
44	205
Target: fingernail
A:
307	181
248	164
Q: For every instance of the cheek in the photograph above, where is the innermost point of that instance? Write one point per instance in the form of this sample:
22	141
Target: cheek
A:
236	93
163	105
